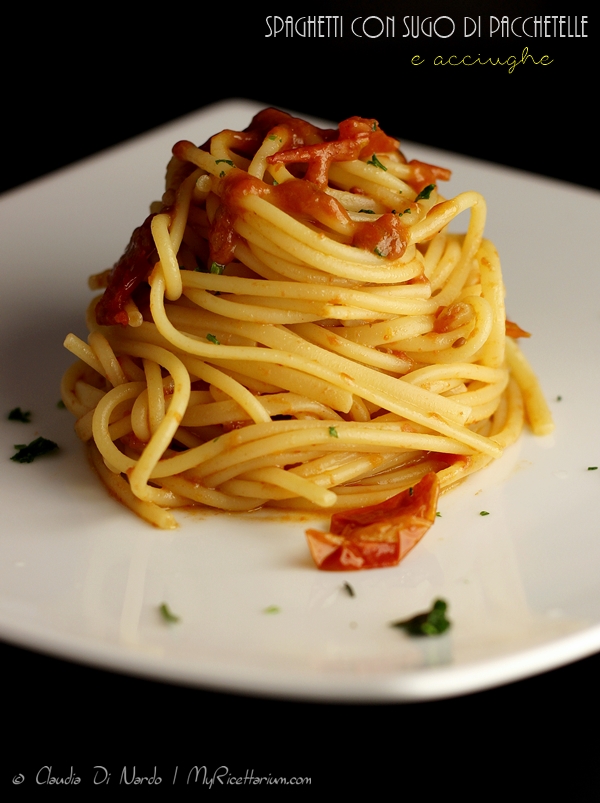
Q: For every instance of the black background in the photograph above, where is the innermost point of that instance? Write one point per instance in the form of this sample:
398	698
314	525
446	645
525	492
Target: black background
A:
76	85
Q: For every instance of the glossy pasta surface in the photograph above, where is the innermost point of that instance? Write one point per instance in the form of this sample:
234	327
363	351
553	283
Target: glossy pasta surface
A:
294	326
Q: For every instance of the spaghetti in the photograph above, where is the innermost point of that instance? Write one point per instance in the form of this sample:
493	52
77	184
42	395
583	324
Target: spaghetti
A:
294	326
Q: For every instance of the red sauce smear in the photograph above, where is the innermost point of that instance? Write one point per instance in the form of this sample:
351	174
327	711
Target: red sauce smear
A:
514	330
307	145
379	535
357	137
130	271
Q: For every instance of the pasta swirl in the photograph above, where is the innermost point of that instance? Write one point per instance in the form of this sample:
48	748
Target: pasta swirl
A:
294	326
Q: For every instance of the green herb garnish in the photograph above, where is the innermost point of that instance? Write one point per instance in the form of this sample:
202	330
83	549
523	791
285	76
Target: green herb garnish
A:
167	614
213	339
376	163
425	193
349	590
18	415
439	514
227	162
378	252
484	513
592	468
431	623
559	398
61	405
26	453
366	211
333	432
217	268
272	609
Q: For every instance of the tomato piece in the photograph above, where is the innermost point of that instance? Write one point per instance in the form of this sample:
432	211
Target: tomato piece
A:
130	271
379	535
514	330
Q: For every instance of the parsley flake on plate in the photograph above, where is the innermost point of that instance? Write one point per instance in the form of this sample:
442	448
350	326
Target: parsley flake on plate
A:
27	452
430	623
167	614
18	415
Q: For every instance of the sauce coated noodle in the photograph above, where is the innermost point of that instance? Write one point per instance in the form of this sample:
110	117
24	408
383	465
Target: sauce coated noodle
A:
294	326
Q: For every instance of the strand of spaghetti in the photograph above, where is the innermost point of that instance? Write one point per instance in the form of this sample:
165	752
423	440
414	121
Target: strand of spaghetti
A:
538	412
182	210
330	339
119	488
432	420
375	175
81	350
334	296
276	404
270	262
247	312
238	393
492	286
441	214
188	152
295	484
410	403
283	378
167	256
209	496
155	394
384	333
140	471
475	340
103	351
119	462
349	435
263	233
298	233
278	138
68	389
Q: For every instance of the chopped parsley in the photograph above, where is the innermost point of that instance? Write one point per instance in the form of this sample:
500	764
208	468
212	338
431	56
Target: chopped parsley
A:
425	193
592	468
217	268
26	453
366	211
222	174
484	513
272	609
430	623
559	398
376	163
213	339
61	405
333	432
439	514
227	162
349	590
18	415
411	491
378	252
167	614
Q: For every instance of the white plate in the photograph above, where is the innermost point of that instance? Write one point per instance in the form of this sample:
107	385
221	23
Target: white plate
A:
82	578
